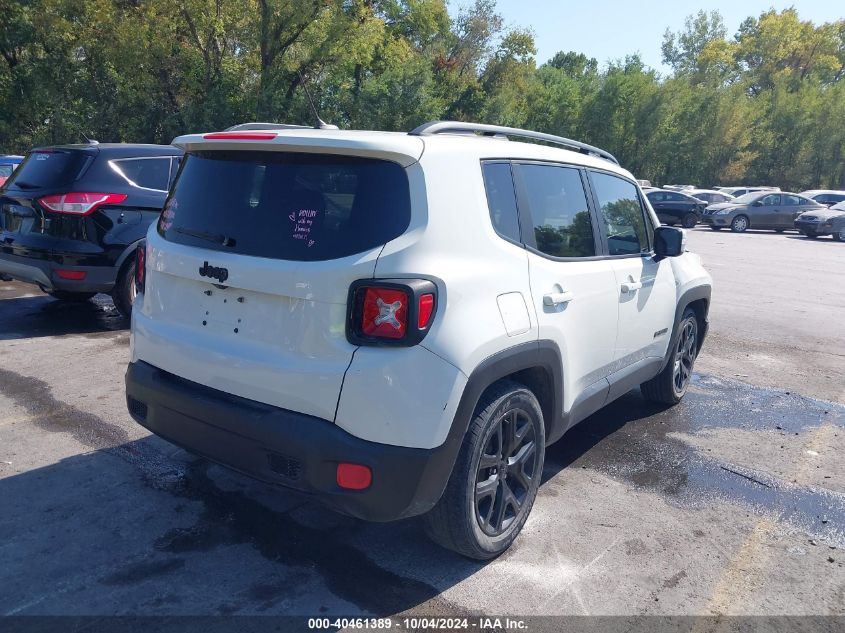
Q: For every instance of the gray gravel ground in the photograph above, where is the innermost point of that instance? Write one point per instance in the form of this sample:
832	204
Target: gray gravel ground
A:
731	503
777	314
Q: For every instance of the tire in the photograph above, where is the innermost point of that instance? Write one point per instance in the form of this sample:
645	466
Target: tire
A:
670	385
483	526
65	295
715	228
779	230
123	294
809	234
689	220
838	236
739	224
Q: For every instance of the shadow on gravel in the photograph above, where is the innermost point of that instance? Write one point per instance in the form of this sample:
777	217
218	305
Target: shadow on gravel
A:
127	529
32	317
822	239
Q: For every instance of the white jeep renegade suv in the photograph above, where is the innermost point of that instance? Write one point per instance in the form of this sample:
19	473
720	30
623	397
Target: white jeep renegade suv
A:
399	324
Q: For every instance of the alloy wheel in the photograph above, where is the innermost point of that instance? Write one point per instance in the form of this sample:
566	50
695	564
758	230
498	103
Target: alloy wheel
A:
506	472
685	356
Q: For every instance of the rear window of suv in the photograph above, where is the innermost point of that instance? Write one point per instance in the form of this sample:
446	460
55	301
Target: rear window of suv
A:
285	205
49	168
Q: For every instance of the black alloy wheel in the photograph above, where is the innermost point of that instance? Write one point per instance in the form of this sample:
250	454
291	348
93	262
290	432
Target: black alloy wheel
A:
506	472
685	354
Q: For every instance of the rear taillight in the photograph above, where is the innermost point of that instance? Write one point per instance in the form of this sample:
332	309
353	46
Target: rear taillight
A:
385	313
140	268
390	311
79	203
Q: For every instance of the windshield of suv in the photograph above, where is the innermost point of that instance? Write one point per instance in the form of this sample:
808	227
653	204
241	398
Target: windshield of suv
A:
284	205
49	168
747	198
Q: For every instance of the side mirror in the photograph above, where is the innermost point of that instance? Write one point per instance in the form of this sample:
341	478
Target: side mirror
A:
757	203
669	242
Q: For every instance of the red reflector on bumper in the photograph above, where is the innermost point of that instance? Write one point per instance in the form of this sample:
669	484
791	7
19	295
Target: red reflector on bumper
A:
73	275
354	476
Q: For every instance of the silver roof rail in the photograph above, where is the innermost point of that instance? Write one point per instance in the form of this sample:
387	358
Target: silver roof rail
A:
446	127
241	127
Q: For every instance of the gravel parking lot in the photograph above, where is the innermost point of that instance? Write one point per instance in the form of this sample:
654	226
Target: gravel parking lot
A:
733	502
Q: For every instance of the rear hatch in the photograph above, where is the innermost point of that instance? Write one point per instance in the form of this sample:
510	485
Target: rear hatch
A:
249	269
27	229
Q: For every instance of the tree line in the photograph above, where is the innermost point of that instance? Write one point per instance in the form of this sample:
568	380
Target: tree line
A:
763	105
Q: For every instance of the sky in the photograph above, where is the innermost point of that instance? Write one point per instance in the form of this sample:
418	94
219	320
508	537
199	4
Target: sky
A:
611	29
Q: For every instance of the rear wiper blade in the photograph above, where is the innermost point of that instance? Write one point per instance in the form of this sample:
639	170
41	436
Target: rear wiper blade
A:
216	238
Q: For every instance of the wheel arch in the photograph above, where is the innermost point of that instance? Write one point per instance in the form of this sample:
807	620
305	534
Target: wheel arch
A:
124	256
697	298
536	364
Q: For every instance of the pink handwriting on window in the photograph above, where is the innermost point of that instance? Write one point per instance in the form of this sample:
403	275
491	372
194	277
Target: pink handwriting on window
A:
303	222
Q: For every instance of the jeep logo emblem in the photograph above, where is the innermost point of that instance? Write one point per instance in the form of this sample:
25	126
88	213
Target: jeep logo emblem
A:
220	274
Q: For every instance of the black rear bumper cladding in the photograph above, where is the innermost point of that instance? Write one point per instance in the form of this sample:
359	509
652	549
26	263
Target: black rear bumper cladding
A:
283	447
42	273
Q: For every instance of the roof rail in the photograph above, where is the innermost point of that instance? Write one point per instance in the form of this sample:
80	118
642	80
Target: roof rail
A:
446	127
241	127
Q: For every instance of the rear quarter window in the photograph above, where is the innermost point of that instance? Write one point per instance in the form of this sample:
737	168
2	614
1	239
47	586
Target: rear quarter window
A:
148	173
501	199
284	205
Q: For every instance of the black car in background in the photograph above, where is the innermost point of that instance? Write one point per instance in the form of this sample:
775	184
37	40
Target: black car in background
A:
71	217
674	207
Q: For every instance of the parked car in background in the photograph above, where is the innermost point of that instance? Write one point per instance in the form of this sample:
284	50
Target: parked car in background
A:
644	183
678	187
818	222
8	164
827	197
709	195
675	207
71	217
741	191
773	210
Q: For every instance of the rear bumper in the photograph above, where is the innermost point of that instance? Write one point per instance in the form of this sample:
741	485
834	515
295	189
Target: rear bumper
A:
42	272
283	447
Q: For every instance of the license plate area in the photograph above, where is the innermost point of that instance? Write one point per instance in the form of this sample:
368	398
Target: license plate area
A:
223	310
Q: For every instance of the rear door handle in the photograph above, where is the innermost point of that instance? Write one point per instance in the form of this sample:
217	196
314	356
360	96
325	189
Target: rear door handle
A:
630	286
557	298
